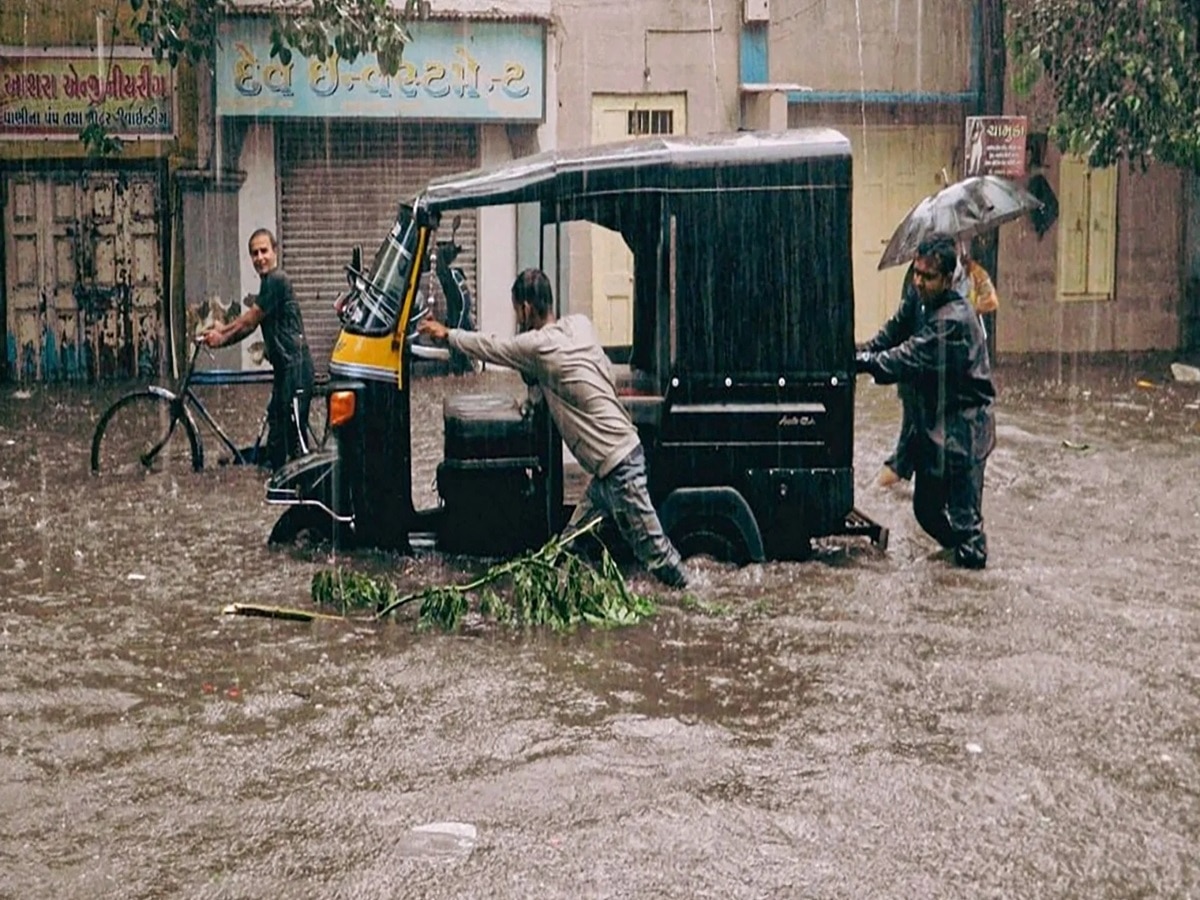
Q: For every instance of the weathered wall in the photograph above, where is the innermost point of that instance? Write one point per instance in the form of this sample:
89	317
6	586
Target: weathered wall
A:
81	23
660	47
1144	311
906	45
61	262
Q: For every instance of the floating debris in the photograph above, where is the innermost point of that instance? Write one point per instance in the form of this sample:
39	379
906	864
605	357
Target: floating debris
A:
551	586
1181	372
276	612
438	841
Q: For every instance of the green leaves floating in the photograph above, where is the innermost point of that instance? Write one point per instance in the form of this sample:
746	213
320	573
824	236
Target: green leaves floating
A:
347	591
551	587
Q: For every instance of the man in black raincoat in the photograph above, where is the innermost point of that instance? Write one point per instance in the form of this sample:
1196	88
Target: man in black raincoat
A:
904	323
940	350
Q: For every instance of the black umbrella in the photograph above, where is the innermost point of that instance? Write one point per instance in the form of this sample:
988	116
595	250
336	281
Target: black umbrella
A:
961	210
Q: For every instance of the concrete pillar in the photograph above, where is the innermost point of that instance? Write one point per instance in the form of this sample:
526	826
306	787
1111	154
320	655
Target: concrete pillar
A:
210	245
765	107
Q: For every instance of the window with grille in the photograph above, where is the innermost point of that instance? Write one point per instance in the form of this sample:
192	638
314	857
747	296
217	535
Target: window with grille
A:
651	121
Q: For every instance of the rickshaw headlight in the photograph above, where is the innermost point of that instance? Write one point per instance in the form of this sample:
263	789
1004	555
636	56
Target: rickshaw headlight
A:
341	407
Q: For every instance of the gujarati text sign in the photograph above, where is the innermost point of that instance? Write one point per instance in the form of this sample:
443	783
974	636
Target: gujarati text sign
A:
996	146
452	70
56	93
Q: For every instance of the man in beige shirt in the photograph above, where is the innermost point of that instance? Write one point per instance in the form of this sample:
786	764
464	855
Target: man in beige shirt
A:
565	359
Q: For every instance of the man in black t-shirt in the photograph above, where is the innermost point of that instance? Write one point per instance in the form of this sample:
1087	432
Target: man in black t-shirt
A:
277	311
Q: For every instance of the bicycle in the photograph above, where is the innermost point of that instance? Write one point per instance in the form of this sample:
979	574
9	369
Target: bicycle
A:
153	430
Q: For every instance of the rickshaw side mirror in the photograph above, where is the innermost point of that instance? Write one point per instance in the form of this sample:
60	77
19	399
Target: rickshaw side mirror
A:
354	270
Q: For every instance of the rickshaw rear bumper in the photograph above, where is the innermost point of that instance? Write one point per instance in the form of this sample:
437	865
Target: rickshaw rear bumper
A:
311	480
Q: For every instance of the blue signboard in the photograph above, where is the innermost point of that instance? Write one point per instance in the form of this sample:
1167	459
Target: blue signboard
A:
451	70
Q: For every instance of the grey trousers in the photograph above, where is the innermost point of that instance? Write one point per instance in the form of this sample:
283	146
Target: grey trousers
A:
623	497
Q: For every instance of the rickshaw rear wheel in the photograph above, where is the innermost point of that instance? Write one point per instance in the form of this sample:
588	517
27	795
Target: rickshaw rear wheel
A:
710	536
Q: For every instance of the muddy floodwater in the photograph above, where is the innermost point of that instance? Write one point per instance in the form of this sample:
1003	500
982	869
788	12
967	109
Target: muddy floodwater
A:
861	725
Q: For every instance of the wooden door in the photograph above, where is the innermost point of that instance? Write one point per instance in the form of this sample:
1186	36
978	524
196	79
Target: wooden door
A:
83	276
894	168
616	118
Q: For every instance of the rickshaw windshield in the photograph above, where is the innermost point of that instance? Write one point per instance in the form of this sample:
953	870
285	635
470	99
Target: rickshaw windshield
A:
376	295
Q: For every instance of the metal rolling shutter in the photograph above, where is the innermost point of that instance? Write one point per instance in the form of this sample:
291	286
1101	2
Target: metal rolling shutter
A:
341	183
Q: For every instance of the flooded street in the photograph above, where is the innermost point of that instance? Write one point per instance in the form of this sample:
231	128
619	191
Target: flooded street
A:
859	725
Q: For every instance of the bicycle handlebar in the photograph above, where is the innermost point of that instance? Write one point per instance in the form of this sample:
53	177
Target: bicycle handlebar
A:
197	342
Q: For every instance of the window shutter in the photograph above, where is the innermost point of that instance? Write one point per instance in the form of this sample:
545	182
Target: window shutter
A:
1087	246
1072	226
1102	221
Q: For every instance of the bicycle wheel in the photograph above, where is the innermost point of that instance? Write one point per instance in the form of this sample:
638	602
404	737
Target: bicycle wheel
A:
141	433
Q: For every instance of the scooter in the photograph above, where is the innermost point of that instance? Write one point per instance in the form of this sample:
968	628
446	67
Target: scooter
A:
457	292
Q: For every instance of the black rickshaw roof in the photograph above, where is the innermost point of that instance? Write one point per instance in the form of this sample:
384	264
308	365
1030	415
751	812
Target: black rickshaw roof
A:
655	163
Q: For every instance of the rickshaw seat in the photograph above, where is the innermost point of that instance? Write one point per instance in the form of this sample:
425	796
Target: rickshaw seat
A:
486	426
631	382
639	395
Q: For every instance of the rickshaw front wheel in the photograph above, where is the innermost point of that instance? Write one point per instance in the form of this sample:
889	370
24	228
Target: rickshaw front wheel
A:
308	522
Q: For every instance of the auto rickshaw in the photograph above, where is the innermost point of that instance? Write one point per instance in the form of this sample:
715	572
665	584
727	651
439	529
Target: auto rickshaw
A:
740	376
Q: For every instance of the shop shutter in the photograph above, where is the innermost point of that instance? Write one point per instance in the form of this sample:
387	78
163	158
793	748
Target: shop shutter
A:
341	182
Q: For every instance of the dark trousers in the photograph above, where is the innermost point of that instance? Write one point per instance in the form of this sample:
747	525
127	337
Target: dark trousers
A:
949	506
901	461
283	429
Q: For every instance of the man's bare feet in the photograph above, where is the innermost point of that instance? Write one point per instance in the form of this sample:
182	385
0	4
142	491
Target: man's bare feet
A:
887	477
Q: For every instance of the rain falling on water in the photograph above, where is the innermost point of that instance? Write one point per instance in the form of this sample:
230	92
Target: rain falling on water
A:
862	723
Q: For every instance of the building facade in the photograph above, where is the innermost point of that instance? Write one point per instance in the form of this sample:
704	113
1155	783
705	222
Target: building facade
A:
324	152
106	258
899	78
86	278
1111	273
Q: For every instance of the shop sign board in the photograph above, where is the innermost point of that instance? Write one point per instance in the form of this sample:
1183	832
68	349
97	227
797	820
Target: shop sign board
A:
995	145
465	71
55	93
